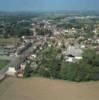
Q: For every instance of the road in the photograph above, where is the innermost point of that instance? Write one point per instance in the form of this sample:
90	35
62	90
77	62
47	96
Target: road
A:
16	61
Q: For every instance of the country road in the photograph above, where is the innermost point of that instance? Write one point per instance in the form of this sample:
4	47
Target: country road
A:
16	61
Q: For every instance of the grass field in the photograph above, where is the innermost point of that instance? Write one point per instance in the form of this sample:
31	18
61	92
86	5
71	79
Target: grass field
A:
3	63
46	89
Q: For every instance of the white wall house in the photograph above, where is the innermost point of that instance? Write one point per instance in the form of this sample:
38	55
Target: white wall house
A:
11	71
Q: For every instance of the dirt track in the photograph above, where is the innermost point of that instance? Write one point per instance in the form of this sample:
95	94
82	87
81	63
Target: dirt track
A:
46	89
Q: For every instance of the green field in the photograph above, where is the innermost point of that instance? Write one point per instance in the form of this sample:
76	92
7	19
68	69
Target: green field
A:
3	63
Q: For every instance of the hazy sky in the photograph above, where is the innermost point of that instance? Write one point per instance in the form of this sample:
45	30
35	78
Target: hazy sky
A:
48	5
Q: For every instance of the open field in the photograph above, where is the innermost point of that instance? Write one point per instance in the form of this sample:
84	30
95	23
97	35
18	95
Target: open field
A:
3	63
46	89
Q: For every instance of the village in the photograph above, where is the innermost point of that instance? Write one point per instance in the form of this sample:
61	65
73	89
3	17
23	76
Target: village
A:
72	42
49	49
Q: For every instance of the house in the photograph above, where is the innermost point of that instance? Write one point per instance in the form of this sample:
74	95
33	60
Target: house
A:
11	71
73	54
20	71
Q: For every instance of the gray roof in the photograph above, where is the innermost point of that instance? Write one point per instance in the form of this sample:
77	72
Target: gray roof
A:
75	51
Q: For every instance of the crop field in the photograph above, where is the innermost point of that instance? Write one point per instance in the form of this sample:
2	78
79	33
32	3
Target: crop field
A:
9	41
47	89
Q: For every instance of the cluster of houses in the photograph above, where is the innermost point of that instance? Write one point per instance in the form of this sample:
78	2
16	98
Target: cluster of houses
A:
72	48
7	50
56	30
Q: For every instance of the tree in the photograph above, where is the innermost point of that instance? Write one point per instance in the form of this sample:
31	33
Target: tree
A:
84	72
50	63
68	71
90	57
76	71
27	71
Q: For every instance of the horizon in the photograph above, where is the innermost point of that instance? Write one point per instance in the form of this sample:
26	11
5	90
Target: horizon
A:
48	5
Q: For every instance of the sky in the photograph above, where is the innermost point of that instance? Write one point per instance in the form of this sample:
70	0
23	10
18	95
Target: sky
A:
49	5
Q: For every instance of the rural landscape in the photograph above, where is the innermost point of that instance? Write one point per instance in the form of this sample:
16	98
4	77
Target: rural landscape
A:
49	53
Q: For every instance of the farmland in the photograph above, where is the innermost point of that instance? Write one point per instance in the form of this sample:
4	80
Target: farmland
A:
47	89
5	41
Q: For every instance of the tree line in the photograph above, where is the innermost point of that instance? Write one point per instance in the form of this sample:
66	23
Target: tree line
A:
51	64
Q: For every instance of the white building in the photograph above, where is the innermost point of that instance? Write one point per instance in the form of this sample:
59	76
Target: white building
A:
11	71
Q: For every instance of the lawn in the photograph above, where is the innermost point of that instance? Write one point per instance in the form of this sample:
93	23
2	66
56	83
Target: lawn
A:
3	63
